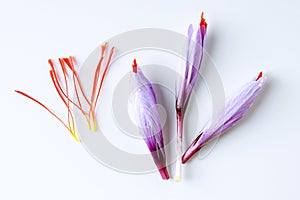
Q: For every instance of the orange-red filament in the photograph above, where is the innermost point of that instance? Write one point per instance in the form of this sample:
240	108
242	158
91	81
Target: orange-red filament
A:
259	76
134	66
74	80
202	20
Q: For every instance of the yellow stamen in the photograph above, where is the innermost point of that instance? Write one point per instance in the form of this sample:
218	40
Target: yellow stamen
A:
95	126
88	122
177	179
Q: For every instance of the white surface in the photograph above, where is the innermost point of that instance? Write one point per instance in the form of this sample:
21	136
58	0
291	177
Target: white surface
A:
257	160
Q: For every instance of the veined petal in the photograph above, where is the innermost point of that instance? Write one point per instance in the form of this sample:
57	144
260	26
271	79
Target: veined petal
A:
235	109
193	63
186	84
143	101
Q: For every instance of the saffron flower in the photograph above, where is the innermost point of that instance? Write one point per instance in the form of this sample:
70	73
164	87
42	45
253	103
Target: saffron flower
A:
70	79
235	109
143	102
187	83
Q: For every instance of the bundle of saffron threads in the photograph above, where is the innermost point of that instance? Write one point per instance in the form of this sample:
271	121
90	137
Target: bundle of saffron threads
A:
143	100
235	109
187	83
70	79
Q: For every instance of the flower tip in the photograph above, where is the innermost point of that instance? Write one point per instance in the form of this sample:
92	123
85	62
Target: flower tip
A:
104	46
190	30
134	66
20	92
50	62
164	173
202	20
259	76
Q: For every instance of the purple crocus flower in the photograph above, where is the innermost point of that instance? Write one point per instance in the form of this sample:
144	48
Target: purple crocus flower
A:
235	109
186	85
143	101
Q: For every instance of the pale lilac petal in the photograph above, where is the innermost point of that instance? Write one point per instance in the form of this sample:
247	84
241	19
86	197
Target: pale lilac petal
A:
144	102
193	63
187	83
235	109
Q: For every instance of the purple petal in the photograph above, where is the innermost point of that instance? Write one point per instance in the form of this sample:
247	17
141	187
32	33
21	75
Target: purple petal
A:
234	111
144	102
193	64
186	85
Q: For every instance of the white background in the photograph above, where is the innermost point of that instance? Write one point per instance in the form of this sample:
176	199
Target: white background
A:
257	160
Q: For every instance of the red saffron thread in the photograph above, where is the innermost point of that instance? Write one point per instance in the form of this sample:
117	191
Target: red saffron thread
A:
134	66
93	107
62	88
202	20
52	113
259	76
97	73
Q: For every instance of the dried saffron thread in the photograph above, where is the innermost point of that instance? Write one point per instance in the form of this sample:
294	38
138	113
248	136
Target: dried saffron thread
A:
97	73
57	85
103	76
52	113
60	90
67	104
64	92
55	79
93	108
63	68
70	61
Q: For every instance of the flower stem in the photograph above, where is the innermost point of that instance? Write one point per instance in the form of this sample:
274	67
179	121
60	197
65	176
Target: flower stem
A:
179	116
